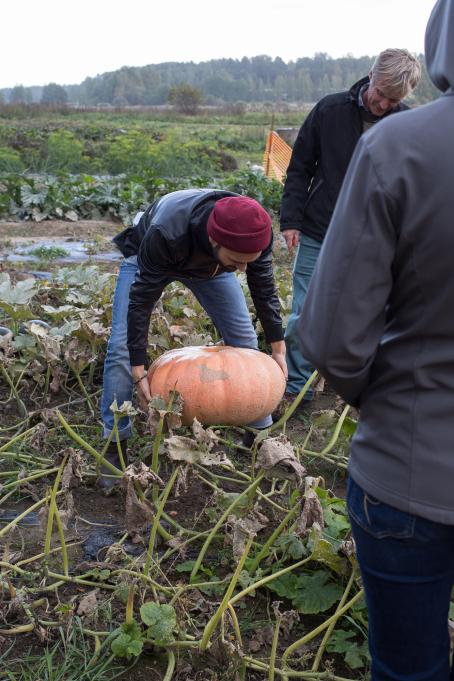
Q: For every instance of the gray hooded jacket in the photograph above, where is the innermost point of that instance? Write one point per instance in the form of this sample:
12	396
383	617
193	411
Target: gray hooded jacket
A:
378	321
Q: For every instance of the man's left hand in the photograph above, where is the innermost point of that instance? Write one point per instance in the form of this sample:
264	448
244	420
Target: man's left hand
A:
278	354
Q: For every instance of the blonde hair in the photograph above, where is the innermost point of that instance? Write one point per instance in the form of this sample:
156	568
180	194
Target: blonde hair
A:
397	70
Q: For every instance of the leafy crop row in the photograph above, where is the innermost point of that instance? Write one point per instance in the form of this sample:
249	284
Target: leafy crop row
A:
35	197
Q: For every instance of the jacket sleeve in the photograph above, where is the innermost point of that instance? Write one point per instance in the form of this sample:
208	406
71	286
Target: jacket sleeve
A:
260	279
300	172
343	318
154	260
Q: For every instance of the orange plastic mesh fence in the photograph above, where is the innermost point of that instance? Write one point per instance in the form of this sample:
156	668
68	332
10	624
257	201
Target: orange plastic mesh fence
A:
276	157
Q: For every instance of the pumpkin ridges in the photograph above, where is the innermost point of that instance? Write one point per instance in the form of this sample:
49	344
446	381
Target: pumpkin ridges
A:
219	384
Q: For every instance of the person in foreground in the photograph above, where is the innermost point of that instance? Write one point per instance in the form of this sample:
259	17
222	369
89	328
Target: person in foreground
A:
198	237
320	159
378	323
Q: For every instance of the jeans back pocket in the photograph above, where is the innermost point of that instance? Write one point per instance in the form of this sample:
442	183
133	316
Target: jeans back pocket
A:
377	518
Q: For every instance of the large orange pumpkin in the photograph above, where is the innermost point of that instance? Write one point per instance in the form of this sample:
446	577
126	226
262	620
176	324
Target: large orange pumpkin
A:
219	384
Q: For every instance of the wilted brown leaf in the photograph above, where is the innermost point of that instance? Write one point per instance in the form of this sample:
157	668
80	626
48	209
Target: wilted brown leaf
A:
50	345
72	472
88	604
158	409
79	355
38	437
277	458
182	481
177	332
240	529
50	416
348	547
142	474
312	514
6	345
180	448
206	437
138	513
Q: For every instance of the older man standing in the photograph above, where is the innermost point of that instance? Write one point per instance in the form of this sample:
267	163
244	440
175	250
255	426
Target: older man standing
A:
320	158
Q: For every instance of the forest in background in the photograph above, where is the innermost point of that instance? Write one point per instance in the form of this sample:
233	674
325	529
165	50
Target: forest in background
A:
247	80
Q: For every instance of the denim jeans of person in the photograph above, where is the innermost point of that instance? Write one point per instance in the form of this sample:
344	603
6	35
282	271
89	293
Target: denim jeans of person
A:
299	368
223	300
407	568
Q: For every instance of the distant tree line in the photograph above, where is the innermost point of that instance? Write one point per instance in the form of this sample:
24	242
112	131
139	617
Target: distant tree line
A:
255	79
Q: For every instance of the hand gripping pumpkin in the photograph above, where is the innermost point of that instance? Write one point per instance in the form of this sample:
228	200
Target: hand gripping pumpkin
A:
219	384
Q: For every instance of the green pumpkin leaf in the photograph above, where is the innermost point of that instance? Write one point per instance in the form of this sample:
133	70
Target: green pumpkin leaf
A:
161	621
128	642
316	593
309	593
285	586
325	552
343	642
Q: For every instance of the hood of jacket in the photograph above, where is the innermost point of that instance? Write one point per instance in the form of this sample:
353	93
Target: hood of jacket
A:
439	45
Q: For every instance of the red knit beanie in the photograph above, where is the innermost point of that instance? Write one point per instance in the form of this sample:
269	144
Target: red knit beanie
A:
241	224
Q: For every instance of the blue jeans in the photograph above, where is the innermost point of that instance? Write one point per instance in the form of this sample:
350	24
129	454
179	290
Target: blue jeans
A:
407	567
223	300
299	368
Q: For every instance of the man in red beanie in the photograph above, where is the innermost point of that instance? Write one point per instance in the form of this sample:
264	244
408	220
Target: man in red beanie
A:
198	237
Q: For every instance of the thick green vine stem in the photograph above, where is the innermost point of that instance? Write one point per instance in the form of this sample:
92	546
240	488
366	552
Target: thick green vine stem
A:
271	539
85	445
269	578
315	632
211	625
4	531
157	518
272	669
329	631
285	417
16	438
170	666
52	507
21	408
220	522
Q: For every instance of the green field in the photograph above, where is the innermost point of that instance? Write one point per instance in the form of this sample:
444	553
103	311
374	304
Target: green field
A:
209	566
110	165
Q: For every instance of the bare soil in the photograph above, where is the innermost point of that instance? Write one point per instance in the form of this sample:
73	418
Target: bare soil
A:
82	229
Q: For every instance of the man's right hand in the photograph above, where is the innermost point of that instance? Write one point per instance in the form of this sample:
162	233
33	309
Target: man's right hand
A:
292	237
139	377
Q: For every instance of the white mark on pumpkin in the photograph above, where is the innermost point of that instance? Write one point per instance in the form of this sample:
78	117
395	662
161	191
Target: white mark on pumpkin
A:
208	375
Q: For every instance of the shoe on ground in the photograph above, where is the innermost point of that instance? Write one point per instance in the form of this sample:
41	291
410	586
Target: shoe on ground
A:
105	484
249	437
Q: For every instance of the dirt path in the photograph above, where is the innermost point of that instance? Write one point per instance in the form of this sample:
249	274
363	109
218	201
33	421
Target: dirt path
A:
49	229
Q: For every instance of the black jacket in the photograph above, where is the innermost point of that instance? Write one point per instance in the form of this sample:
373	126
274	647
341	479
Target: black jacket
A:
320	158
171	241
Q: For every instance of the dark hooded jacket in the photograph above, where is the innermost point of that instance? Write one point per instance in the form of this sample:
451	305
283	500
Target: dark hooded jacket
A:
378	321
320	158
171	242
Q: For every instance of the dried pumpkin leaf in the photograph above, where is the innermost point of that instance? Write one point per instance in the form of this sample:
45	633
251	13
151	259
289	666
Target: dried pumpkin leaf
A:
277	458
142	474
206	437
181	448
138	513
72	472
88	604
240	529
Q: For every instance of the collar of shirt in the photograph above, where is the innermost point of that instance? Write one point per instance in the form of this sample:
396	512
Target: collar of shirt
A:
362	90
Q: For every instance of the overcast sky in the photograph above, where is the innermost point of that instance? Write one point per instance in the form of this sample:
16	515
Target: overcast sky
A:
64	41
